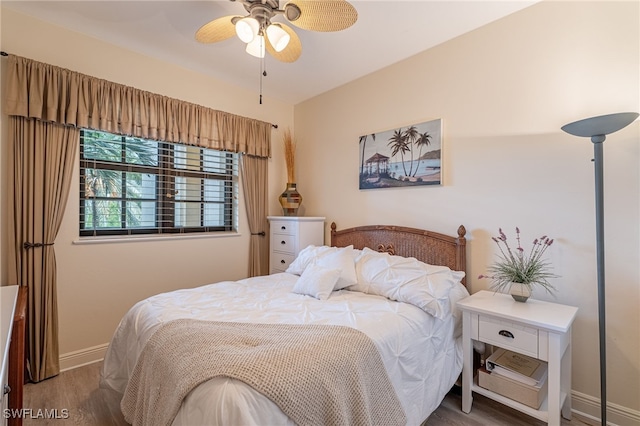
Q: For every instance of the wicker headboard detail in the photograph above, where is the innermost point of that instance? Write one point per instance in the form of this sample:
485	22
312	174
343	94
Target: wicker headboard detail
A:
427	246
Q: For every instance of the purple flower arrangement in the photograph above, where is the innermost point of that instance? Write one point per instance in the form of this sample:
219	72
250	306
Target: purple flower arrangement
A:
515	266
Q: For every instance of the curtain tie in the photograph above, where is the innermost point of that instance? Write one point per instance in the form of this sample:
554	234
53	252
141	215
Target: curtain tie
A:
29	245
261	233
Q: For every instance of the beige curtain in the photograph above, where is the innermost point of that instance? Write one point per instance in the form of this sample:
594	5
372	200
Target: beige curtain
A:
253	173
47	105
42	163
50	93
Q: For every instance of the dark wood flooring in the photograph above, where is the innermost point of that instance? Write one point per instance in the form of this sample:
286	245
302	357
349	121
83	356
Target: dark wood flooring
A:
77	392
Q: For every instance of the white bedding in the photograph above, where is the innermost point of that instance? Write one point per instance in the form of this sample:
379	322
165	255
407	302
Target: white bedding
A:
422	354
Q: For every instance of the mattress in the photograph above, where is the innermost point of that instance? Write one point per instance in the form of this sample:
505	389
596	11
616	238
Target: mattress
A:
422	354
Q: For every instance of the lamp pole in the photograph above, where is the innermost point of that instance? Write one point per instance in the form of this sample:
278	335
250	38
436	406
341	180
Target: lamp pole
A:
599	185
597	128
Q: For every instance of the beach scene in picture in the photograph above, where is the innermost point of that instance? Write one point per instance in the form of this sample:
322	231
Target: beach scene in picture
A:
407	156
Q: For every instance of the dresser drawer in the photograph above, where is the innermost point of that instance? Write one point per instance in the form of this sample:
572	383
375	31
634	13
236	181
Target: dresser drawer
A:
508	335
283	227
290	234
280	261
284	243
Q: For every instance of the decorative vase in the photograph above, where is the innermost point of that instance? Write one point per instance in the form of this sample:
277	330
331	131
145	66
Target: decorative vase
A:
520	292
290	200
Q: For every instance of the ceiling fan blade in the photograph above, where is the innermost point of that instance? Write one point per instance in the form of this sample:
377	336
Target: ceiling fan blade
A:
292	52
217	30
327	15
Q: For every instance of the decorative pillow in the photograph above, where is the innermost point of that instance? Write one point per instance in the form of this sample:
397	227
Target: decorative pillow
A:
406	279
305	257
344	260
341	258
317	281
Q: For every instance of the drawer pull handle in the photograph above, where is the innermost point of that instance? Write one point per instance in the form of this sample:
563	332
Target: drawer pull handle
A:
283	228
283	242
506	333
282	261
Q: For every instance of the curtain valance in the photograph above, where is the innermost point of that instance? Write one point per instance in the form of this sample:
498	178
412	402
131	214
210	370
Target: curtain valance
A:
49	93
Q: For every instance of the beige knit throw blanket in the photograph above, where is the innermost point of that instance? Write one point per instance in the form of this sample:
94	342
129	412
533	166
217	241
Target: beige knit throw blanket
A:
316	374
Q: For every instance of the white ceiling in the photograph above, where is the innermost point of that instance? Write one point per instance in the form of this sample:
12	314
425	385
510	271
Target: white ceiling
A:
386	32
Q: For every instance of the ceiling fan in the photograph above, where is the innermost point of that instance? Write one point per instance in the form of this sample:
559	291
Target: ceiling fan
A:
260	33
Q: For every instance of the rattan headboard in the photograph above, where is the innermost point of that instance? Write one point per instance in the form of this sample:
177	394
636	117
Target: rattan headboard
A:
427	246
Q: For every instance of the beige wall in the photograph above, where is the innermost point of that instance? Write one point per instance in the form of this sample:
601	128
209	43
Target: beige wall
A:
503	92
98	283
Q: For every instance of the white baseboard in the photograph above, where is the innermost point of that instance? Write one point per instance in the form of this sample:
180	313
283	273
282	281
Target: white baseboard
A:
589	407
76	359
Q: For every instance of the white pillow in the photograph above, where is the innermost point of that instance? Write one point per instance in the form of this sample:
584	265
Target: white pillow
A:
306	257
317	281
344	260
341	258
406	279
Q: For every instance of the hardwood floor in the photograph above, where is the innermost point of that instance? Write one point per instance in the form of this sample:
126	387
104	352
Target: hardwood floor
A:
77	392
486	412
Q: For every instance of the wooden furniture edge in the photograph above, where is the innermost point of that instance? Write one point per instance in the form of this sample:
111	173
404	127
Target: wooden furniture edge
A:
17	358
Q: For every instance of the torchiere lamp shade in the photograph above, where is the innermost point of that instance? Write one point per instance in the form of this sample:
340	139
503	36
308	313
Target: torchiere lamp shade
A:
601	125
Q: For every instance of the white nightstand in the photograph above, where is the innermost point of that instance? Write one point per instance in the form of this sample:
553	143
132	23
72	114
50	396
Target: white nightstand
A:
539	329
290	234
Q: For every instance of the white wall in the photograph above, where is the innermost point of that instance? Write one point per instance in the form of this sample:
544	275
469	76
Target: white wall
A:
98	283
503	92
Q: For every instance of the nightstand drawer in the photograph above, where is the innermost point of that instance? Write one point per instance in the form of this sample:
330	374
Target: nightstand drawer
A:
508	335
283	227
280	261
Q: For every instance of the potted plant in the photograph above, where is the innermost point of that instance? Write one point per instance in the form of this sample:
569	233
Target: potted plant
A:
516	272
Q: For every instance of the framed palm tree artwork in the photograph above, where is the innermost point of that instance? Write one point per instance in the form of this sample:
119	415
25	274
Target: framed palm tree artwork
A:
406	156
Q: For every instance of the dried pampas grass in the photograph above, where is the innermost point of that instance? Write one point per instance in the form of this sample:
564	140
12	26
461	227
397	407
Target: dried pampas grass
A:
289	155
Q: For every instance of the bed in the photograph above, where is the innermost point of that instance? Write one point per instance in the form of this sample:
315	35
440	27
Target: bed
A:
394	285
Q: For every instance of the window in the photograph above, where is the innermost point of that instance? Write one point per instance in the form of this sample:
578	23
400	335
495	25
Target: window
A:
135	186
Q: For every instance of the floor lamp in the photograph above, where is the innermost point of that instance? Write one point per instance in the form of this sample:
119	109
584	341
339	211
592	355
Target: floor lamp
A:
597	128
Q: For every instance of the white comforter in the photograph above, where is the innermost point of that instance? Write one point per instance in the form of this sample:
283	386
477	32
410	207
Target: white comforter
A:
422	354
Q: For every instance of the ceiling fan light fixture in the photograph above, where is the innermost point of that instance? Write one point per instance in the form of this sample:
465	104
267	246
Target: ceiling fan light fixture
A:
256	47
278	37
247	29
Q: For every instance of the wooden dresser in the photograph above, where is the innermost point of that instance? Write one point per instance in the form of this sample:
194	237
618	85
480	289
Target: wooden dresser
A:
8	297
13	301
17	356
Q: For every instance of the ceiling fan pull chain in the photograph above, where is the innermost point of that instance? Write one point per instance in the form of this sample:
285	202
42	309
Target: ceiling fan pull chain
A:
263	73
261	69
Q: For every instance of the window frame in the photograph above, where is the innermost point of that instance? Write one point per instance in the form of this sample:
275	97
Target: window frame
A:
166	173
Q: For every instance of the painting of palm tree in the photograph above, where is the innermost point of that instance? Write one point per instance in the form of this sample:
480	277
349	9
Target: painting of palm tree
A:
406	156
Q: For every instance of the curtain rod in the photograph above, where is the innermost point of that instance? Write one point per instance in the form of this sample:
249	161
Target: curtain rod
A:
3	53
